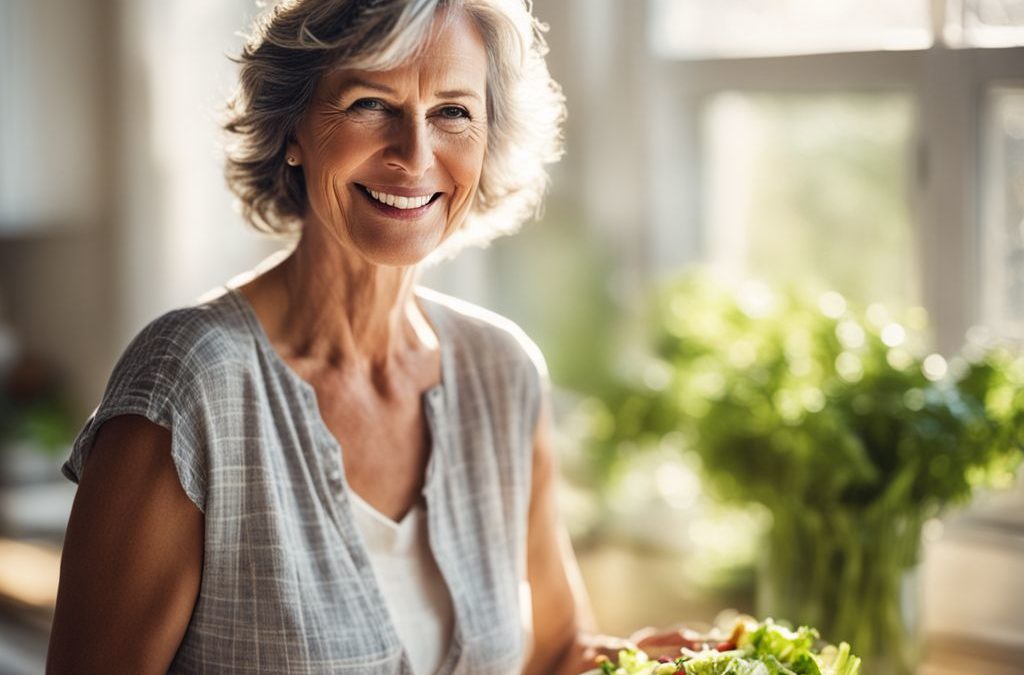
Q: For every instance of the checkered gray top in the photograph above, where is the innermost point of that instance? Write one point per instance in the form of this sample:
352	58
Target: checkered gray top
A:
287	585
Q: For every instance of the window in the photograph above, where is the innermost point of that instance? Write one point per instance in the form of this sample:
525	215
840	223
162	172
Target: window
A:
1003	209
750	28
985	23
794	183
857	125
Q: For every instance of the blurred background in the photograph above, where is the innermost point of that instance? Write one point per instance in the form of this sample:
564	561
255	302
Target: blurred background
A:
866	154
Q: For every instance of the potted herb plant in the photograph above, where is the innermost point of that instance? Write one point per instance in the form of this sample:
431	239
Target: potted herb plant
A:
841	425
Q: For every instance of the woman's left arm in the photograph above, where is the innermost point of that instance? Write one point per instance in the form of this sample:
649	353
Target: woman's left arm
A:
563	629
565	639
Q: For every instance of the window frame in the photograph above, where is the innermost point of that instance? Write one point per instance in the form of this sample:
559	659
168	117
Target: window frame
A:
991	216
949	88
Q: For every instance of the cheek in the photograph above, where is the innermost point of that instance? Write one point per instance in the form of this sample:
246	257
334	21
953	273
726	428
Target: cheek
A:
339	157
466	158
465	164
338	145
325	191
330	169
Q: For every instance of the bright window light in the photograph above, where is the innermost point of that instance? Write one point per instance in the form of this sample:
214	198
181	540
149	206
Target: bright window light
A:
1003	212
810	190
697	29
985	23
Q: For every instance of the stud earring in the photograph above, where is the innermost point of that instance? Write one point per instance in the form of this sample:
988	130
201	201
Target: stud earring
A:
292	161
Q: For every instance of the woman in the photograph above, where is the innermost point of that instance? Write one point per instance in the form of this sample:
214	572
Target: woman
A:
325	469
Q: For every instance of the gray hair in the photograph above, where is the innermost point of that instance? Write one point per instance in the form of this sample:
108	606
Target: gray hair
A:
298	41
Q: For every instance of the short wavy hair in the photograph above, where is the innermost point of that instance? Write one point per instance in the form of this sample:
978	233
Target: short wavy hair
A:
296	41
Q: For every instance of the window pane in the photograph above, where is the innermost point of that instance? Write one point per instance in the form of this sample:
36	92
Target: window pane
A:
1002	261
811	190
985	23
745	28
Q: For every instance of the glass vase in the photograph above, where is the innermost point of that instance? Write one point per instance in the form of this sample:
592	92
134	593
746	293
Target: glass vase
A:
853	577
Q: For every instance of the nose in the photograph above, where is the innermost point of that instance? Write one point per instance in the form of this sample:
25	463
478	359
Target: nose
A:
411	150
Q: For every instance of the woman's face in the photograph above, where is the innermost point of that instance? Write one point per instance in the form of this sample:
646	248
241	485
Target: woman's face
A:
392	158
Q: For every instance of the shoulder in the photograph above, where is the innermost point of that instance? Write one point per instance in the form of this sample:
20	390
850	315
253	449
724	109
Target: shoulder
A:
482	334
180	348
173	375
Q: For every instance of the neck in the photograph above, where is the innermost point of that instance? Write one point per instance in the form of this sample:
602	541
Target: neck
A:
337	307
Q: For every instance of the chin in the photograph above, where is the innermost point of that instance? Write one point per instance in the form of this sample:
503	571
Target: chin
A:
396	249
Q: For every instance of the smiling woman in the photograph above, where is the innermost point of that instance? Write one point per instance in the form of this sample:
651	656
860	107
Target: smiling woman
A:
322	468
520	116
374	145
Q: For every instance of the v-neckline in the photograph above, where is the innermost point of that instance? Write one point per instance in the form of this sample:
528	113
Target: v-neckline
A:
433	399
385	520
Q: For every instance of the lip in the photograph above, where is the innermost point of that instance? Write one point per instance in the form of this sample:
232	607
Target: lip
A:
396	213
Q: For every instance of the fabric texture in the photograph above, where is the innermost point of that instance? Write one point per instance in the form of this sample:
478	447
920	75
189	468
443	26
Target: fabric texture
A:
287	583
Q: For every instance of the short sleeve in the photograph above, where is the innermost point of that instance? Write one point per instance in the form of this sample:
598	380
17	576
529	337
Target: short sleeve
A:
157	377
536	382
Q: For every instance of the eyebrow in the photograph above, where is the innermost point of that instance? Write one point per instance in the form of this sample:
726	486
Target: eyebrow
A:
458	93
357	82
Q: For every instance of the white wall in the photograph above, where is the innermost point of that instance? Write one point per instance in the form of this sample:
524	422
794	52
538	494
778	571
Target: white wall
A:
54	169
122	213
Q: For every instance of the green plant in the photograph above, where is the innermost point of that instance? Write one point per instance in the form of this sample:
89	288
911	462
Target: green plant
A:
841	425
34	407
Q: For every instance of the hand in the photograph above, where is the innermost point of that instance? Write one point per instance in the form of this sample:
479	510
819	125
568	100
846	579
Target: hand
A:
666	642
584	654
655	642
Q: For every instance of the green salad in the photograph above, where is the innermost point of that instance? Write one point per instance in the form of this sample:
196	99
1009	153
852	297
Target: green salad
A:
753	648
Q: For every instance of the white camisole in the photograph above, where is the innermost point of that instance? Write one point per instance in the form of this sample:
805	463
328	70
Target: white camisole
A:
412	585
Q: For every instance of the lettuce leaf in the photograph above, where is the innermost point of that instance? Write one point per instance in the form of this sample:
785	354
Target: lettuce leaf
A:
762	649
840	660
771	639
725	664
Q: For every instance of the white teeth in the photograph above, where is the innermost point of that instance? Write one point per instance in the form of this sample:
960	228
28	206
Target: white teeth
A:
400	202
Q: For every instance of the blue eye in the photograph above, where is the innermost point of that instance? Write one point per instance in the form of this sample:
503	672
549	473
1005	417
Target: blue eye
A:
374	104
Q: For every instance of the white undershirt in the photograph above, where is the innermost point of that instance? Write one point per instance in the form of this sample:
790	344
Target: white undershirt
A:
414	590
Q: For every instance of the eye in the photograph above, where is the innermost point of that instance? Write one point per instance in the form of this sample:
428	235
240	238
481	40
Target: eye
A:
453	112
371	104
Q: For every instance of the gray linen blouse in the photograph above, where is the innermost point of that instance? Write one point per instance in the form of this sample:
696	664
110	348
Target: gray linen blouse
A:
287	585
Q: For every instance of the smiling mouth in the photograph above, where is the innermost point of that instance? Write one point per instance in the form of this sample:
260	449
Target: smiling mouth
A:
399	203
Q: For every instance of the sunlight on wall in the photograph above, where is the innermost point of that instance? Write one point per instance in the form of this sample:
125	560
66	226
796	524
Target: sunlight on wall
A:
185	237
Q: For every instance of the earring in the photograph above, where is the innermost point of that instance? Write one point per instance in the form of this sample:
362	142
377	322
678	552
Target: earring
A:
292	161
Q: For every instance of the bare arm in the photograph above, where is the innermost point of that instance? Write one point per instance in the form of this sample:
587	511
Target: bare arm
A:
561	610
566	641
132	558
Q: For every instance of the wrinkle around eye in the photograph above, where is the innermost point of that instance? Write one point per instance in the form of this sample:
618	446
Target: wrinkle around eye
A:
469	130
325	130
331	120
459	125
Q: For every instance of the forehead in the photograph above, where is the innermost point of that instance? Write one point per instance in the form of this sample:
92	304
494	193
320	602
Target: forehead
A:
454	56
